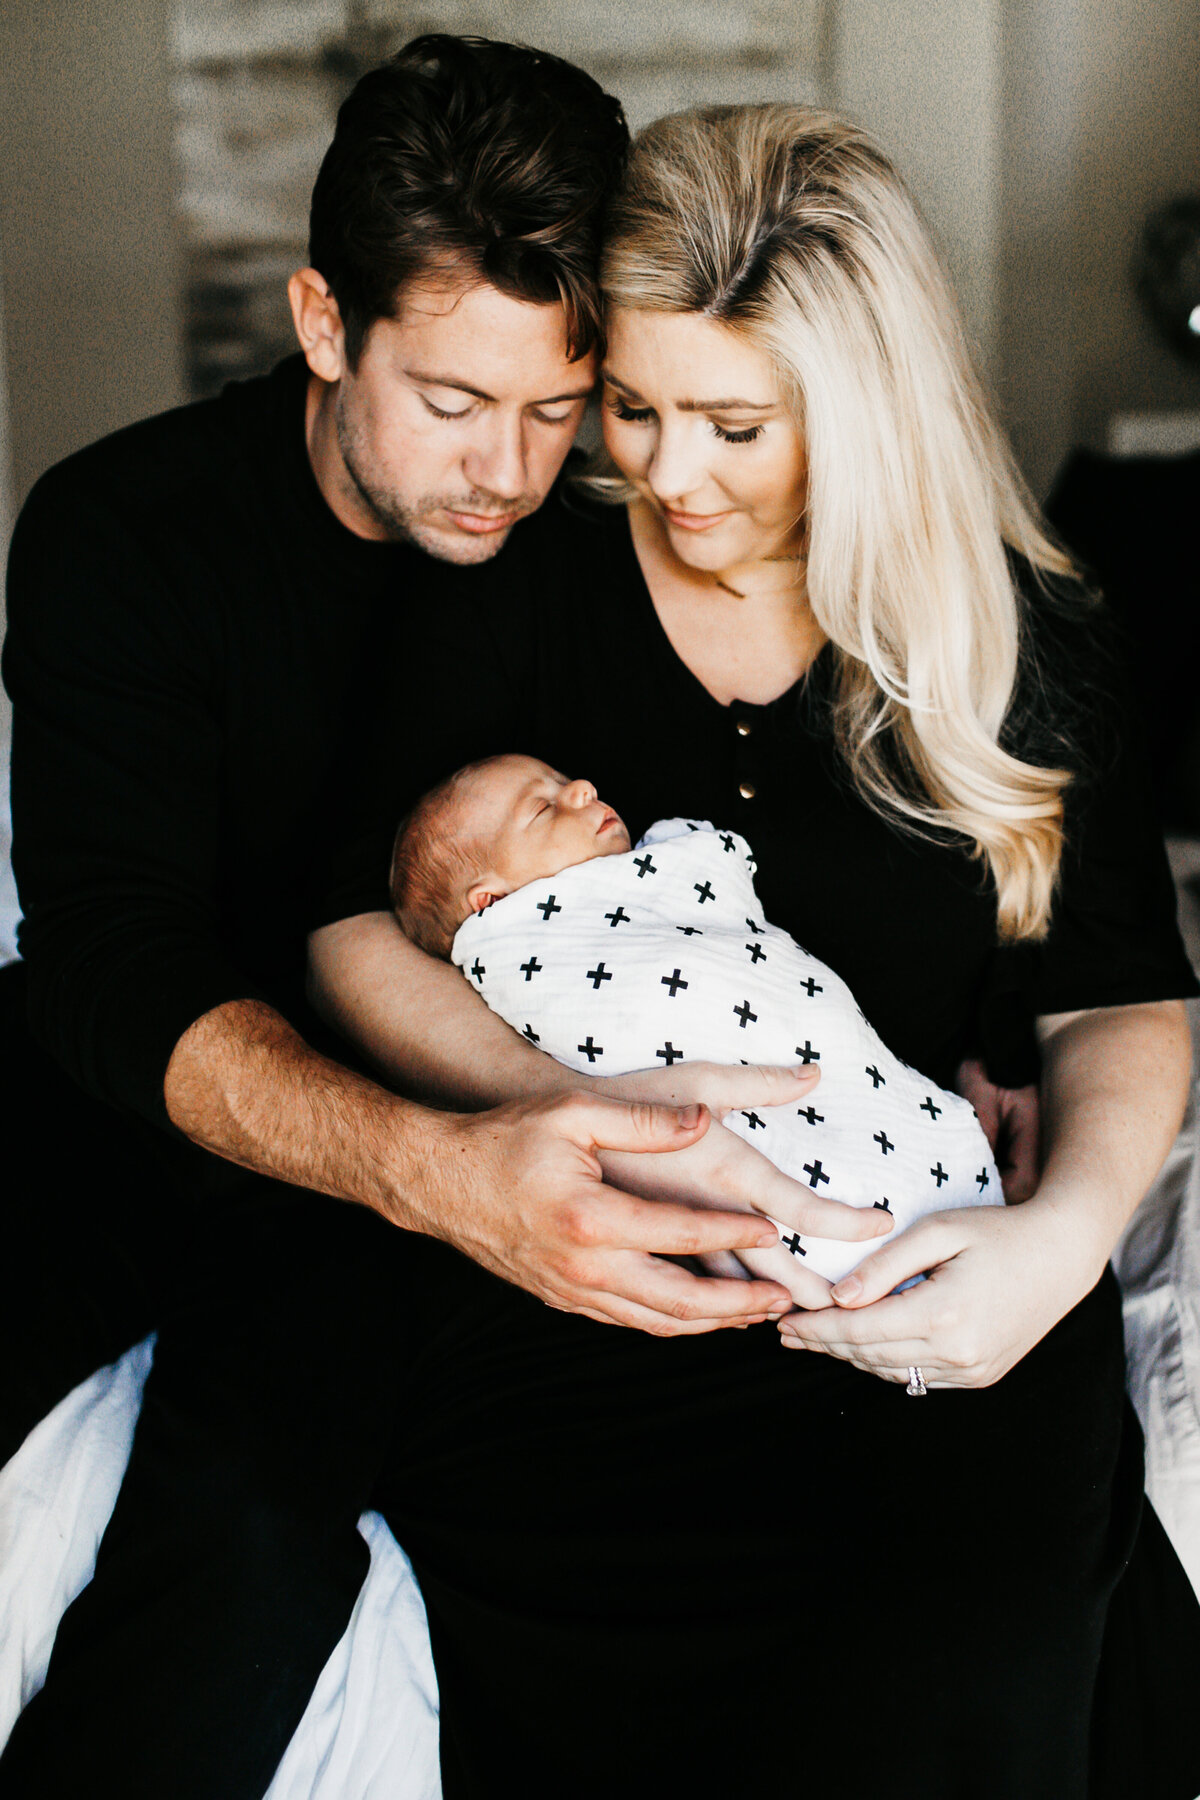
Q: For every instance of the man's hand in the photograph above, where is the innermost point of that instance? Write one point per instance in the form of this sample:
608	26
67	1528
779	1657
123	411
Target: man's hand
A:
1011	1123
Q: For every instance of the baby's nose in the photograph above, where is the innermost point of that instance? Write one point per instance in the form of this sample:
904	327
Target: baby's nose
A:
579	793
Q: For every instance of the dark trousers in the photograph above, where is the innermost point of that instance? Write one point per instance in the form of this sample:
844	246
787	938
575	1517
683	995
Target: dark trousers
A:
698	1565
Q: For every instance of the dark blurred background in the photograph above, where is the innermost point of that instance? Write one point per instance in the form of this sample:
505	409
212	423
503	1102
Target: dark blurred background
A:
156	157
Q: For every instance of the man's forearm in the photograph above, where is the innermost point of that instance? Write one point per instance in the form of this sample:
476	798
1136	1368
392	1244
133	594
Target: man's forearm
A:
420	1023
245	1085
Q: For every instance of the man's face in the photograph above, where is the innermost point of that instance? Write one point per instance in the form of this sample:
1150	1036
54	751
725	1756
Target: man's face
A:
457	419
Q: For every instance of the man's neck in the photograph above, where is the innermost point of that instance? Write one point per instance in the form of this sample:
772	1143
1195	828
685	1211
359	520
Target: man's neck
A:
328	465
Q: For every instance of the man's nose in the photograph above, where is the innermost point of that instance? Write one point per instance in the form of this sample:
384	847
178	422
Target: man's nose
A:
495	459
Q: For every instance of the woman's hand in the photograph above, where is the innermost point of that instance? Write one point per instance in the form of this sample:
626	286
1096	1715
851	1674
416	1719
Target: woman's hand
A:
998	1279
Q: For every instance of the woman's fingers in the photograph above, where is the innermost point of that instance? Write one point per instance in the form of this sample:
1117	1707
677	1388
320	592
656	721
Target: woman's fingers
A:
932	1240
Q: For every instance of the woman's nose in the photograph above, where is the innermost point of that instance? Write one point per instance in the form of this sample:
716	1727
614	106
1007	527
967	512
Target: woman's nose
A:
676	469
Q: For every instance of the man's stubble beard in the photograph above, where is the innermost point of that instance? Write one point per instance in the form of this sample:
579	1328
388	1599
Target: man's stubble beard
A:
405	524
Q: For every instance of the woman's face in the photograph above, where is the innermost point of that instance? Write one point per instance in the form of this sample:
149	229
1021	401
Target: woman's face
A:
695	419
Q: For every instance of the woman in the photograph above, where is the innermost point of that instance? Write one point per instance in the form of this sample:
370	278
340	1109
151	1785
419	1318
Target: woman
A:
829	617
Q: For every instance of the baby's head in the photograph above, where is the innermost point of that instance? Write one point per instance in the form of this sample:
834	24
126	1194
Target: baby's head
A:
485	832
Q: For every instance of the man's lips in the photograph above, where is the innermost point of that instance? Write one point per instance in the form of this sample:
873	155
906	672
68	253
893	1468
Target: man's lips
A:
482	523
693	521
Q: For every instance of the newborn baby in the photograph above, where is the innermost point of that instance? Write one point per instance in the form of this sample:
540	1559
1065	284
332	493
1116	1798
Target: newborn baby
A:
613	959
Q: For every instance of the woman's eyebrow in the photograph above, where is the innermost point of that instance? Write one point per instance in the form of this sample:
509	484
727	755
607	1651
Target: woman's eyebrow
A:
693	406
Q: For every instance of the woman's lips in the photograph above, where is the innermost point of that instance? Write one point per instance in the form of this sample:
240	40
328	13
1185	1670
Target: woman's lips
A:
693	521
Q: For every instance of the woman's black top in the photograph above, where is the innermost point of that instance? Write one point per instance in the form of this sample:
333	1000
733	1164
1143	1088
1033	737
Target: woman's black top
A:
593	686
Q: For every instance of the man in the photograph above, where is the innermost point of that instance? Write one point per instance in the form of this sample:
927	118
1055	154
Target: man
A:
195	605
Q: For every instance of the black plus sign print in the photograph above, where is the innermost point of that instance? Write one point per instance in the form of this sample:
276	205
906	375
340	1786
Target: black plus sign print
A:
811	1114
599	974
620	917
690	930
928	1106
877	1080
546	907
757	953
532	1035
745	1015
674	981
755	1123
479	971
883	1205
705	892
727	841
814	987
884	1141
751	926
793	1244
670	1053
644	865
939	1174
531	968
815	1173
591	1049
982	1179
808	1054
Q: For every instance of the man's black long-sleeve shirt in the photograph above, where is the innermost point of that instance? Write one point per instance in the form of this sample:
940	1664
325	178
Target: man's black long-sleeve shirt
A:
191	636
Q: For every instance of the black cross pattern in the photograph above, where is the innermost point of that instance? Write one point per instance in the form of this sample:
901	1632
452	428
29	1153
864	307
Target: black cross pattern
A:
727	841
479	971
884	1141
982	1179
808	1054
793	1244
690	930
815	1172
532	1035
877	1080
814	987
744	1014
705	892
811	1114
546	907
620	917
670	1053
751	926
644	865
755	1123
531	968
883	1205
928	1106
757	953
939	1174
674	981
591	1049
597	975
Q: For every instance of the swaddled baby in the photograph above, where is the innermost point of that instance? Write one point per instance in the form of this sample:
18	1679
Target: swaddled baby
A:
613	959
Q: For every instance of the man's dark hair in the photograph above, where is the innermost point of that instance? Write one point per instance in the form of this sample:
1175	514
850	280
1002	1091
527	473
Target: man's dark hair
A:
461	152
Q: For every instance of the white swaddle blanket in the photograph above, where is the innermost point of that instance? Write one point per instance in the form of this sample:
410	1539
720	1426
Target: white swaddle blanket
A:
662	956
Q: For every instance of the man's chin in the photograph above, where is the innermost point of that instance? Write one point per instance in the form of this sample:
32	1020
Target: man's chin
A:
449	543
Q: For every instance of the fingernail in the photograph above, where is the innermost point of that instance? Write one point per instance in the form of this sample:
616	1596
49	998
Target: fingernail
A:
849	1289
806	1071
767	1240
689	1116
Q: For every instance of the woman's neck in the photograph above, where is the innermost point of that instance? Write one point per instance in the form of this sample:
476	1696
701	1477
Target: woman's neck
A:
746	632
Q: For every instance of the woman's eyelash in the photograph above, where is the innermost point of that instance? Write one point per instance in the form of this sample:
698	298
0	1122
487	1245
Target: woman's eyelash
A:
737	437
632	415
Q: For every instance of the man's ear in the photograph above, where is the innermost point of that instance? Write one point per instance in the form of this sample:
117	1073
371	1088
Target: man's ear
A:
480	897
318	324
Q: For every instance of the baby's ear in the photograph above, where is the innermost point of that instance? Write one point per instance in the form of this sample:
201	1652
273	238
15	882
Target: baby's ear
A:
480	897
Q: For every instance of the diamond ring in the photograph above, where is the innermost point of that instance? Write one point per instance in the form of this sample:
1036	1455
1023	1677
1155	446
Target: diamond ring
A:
916	1382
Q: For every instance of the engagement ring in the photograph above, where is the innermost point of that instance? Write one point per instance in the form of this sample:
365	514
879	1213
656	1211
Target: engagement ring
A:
916	1382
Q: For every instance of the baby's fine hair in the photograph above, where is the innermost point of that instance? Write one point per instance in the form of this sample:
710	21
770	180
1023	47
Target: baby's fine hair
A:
434	859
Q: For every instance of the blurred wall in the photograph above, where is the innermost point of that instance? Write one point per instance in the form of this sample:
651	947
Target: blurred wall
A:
86	185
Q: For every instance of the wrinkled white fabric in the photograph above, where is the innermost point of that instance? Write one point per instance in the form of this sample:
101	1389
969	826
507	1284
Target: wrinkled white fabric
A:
663	955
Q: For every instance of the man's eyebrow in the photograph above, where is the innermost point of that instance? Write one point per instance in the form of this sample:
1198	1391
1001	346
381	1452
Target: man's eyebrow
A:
694	406
464	387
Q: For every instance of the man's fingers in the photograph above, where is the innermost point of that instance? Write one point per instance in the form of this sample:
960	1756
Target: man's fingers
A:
665	1228
680	1297
799	1208
722	1087
596	1123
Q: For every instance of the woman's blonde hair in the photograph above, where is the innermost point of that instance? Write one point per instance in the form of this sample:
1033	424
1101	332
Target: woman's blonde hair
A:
790	227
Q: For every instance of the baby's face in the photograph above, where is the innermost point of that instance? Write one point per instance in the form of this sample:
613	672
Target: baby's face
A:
536	822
